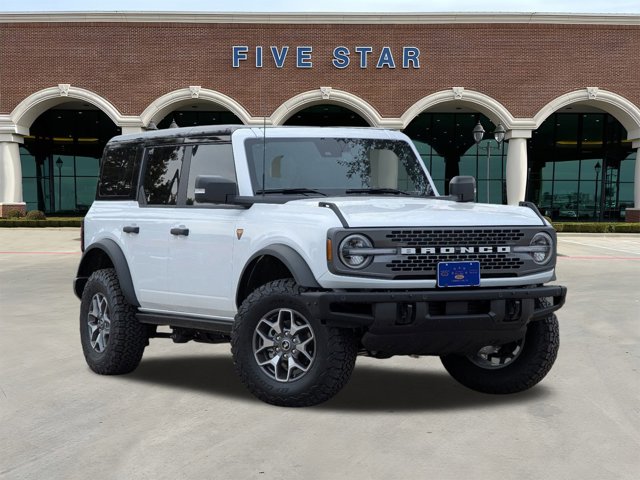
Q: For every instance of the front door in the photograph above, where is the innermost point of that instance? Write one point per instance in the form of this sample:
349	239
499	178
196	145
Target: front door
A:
201	248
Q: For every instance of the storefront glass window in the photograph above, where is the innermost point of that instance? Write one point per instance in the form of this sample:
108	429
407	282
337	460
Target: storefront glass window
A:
446	145
581	167
61	159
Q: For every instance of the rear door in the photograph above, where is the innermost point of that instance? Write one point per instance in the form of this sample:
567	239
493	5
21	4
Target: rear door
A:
148	233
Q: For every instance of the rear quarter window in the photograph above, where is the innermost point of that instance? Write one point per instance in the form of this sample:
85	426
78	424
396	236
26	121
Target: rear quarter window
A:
119	173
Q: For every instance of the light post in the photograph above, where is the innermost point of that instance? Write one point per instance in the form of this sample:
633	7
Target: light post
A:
59	165
498	135
597	168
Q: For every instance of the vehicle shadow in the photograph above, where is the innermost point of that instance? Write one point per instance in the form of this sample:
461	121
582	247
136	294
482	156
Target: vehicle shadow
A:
371	388
380	388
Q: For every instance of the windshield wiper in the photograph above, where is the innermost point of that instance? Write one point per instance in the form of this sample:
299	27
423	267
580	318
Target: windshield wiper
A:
391	191
291	191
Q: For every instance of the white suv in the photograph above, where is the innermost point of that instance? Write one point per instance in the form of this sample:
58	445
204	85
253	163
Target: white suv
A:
305	247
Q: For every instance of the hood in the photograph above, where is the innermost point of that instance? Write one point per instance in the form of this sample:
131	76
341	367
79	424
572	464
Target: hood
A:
385	211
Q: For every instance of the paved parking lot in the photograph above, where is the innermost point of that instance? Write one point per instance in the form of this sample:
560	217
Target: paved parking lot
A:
184	414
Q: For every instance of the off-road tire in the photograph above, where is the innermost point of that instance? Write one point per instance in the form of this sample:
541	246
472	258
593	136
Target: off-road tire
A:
335	350
127	337
539	352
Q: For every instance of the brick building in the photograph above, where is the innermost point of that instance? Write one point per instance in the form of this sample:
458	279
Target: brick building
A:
564	87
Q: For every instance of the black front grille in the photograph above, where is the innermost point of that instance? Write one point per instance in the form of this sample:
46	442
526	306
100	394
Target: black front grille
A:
456	237
425	265
428	263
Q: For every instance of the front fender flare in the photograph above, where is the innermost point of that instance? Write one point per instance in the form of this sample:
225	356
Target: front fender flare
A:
291	259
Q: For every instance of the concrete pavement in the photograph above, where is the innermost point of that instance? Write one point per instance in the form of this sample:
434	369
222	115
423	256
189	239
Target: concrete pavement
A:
184	414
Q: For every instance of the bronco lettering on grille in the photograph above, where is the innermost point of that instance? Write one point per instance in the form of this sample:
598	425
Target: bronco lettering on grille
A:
450	250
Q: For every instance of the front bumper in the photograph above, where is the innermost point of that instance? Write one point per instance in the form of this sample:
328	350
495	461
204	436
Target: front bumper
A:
436	322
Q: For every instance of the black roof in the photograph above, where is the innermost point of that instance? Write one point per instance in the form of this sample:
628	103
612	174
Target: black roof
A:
169	135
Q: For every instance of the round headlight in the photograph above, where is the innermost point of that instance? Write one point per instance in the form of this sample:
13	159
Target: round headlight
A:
543	248
349	254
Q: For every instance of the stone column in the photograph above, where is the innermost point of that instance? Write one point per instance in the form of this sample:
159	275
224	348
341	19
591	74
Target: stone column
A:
517	165
10	174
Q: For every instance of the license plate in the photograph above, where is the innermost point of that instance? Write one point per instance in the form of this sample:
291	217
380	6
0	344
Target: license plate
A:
458	274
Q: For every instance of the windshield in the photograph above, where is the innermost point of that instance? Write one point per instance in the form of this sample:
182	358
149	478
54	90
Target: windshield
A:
335	166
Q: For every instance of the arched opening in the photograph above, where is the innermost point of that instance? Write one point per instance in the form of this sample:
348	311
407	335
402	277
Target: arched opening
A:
326	115
60	157
581	165
443	136
194	106
199	113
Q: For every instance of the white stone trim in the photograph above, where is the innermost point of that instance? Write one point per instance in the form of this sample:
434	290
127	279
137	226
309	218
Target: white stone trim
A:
335	97
323	18
26	112
518	133
10	173
490	107
516	170
162	106
622	109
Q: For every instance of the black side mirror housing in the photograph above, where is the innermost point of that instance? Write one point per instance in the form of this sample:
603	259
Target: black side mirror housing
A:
463	187
214	189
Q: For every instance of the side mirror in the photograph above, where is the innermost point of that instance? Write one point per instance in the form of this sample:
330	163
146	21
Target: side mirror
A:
214	189
463	187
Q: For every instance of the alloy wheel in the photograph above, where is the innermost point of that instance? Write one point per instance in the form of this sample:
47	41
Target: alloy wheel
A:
99	323
284	345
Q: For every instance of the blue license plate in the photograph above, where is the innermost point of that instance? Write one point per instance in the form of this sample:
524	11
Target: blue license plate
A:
458	274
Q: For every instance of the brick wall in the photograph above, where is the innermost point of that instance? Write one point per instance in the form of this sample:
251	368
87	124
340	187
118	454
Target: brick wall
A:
524	66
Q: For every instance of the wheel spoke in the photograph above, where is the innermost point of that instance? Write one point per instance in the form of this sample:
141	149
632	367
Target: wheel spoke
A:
267	342
100	342
309	357
93	337
296	329
284	316
264	347
271	361
293	363
302	347
95	308
103	306
92	328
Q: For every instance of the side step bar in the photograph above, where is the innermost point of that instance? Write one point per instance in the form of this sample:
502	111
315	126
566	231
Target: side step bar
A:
217	325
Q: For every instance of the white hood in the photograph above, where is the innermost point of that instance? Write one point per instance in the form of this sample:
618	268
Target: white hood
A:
385	211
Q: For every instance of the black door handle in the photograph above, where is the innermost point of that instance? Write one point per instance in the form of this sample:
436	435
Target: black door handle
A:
131	229
180	231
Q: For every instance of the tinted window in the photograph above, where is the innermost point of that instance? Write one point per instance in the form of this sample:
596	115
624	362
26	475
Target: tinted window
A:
210	159
162	175
117	178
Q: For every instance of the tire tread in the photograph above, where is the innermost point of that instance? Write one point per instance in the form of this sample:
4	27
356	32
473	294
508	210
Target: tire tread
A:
128	337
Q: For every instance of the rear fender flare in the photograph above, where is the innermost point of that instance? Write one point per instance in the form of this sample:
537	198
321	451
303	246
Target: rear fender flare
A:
88	262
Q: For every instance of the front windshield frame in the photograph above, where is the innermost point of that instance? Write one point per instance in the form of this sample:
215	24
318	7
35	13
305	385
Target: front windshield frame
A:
360	166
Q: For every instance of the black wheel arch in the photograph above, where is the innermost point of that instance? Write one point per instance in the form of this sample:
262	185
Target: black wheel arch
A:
283	261
105	253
